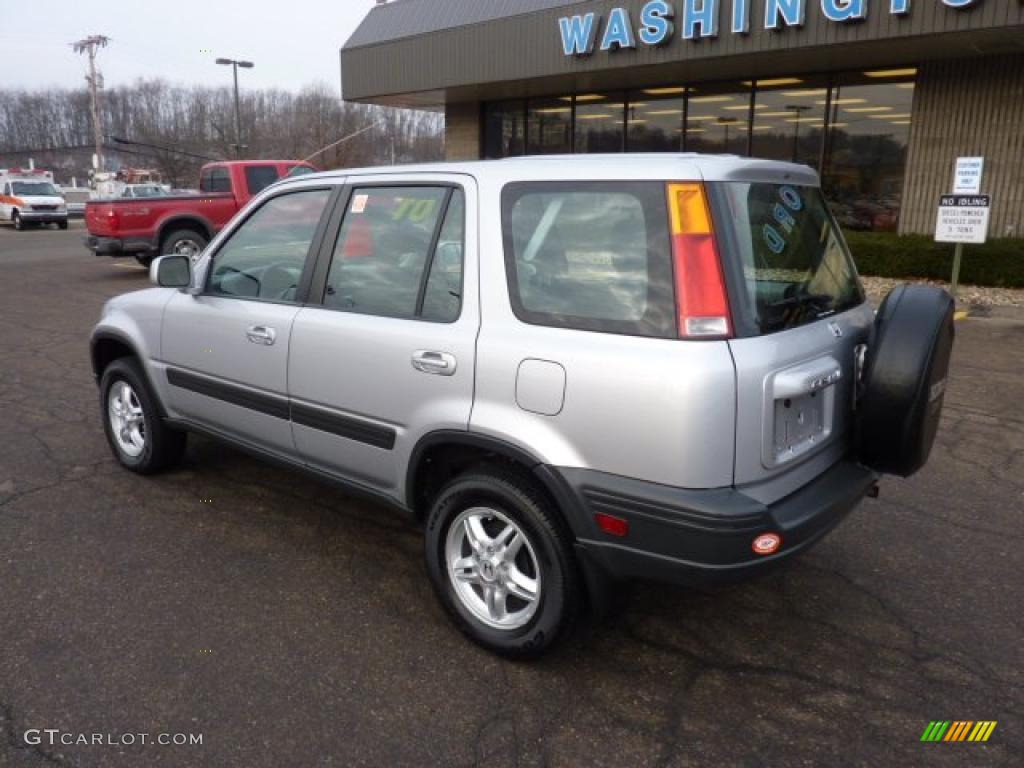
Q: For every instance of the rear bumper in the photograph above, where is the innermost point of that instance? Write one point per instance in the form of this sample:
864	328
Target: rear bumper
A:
687	537
118	246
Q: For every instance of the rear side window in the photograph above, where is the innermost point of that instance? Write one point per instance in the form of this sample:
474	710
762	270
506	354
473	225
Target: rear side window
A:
795	265
259	177
400	254
215	180
593	256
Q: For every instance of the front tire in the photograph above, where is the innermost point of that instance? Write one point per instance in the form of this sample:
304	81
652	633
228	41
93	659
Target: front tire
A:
19	225
501	562
137	436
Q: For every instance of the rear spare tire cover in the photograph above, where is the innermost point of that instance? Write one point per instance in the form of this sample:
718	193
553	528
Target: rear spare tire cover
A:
904	379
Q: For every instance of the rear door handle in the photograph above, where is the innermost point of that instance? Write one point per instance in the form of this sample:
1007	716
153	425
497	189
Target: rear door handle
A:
439	363
261	334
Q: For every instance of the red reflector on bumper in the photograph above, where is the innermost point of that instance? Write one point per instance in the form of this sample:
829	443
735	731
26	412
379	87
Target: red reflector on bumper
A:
767	544
613	526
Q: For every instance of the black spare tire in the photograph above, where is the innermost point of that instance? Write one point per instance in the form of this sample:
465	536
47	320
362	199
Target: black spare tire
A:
904	379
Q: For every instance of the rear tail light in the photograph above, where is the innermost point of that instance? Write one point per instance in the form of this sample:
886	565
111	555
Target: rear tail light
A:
112	221
702	304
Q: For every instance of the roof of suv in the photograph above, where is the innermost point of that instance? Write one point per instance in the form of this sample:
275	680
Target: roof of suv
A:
654	166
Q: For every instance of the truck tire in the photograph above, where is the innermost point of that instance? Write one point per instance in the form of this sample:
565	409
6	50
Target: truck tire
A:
904	379
184	242
501	563
62	224
19	225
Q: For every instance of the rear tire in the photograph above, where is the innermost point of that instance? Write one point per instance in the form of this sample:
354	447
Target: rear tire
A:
501	563
904	379
184	242
62	224
137	436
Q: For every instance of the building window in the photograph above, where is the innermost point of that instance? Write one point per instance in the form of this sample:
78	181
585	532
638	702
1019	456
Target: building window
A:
549	126
853	128
655	120
504	129
718	119
789	120
866	150
600	123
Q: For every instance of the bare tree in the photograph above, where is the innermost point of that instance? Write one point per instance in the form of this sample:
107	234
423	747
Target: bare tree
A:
174	127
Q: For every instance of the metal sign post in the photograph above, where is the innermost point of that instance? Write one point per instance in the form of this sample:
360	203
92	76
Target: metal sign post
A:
958	256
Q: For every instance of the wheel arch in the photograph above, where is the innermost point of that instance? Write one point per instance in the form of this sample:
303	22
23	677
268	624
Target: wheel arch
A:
109	345
183	221
424	478
440	455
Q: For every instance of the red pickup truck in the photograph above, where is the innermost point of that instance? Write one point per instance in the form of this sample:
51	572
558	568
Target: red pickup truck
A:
183	224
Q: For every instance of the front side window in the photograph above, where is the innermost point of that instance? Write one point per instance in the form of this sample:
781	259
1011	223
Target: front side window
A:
590	255
400	254
796	267
264	258
259	177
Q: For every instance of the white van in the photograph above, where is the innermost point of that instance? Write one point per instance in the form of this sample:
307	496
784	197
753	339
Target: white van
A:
30	197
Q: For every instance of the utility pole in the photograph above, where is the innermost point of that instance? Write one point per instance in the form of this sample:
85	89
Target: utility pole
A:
89	46
235	64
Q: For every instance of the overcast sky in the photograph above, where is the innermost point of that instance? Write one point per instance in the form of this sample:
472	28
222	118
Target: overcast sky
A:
293	43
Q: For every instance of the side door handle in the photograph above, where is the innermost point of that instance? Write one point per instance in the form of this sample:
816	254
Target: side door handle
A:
261	334
439	363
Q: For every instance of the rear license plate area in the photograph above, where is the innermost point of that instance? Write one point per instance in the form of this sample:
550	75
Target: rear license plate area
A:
799	409
799	424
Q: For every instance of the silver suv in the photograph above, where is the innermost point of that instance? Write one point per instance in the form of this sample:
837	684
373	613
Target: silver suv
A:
576	371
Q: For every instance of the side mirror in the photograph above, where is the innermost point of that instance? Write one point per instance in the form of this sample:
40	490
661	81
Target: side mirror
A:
172	271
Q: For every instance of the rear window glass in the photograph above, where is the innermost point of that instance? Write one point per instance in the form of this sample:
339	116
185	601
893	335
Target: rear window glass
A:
259	177
795	265
590	255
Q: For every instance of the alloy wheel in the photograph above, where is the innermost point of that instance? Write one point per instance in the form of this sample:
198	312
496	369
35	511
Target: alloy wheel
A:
493	568
127	420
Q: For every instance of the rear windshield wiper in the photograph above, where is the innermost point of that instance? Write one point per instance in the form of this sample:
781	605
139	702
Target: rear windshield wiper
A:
780	315
822	300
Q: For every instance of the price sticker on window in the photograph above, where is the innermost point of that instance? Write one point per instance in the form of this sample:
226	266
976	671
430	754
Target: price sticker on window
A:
359	203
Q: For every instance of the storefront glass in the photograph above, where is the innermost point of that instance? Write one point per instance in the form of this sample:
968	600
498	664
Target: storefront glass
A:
789	119
718	119
866	149
655	120
549	126
853	128
600	123
504	129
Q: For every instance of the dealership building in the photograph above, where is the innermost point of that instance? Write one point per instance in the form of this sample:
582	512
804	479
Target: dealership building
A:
879	96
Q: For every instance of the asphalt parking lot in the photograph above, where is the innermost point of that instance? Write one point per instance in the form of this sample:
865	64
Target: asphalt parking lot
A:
293	626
